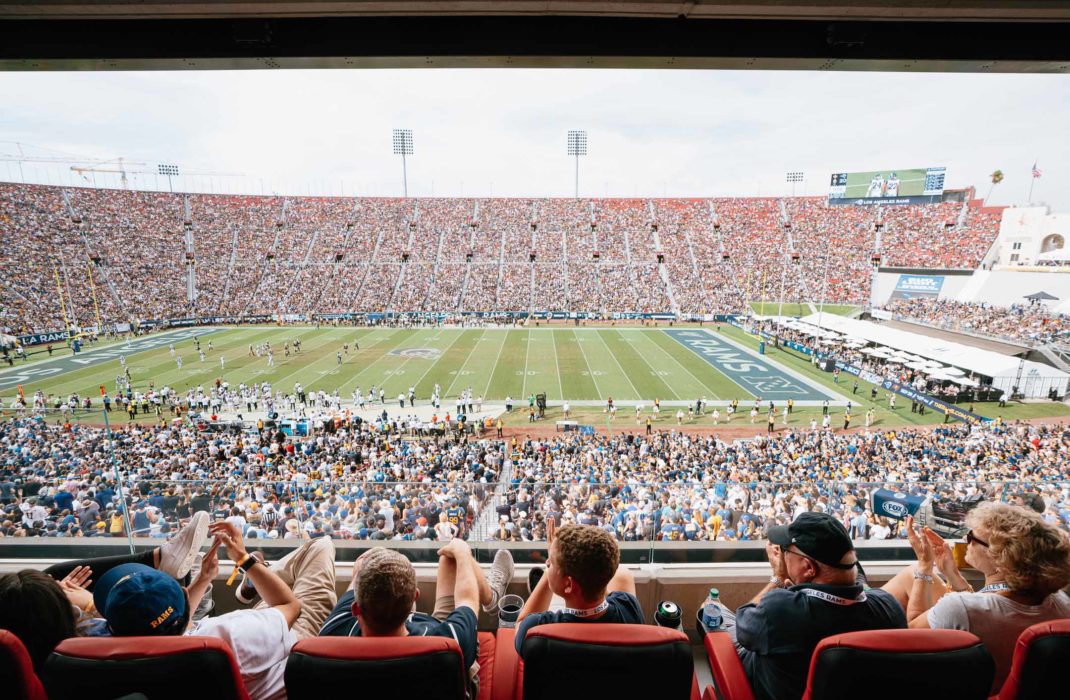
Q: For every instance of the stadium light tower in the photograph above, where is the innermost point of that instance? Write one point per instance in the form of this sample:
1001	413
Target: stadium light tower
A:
794	178
167	171
403	148
577	146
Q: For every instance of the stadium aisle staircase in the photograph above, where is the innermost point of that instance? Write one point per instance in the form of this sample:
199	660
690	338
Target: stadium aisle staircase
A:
280	225
488	517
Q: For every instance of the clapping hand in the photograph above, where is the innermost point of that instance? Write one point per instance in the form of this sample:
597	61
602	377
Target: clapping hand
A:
923	547
74	586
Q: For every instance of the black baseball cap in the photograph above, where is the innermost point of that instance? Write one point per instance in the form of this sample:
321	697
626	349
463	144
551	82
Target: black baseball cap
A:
817	535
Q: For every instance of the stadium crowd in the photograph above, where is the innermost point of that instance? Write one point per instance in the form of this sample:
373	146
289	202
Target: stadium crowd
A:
374	480
1030	323
126	254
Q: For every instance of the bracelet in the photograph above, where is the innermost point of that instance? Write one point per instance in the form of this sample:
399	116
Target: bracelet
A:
922	577
776	581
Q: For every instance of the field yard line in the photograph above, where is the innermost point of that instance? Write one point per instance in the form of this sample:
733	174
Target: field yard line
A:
602	340
164	377
399	370
590	373
681	365
505	337
391	332
275	384
470	353
440	358
560	386
527	354
653	372
408	336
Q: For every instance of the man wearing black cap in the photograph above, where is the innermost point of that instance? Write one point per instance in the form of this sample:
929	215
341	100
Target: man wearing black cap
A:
814	593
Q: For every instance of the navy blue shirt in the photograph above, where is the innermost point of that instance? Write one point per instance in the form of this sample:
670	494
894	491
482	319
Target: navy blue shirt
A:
461	625
623	607
780	633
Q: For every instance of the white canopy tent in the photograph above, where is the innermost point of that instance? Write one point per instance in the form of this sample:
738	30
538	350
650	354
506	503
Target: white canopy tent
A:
1034	380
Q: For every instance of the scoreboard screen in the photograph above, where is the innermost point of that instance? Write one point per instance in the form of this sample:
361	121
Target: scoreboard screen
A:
891	186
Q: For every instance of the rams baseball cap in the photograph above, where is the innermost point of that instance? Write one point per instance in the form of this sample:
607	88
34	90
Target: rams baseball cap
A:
817	535
137	600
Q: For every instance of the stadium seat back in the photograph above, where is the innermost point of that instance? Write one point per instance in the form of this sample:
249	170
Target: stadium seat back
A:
592	660
878	664
1041	657
17	676
162	668
417	667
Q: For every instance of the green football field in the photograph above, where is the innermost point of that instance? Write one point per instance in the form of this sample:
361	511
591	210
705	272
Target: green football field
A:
582	364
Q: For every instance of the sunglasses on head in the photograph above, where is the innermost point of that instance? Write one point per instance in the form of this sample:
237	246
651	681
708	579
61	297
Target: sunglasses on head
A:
970	537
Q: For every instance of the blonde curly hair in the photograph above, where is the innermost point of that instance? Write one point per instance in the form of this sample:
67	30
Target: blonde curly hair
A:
1032	554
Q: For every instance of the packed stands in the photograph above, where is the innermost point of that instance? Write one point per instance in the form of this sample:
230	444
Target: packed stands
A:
338	480
257	256
1032	323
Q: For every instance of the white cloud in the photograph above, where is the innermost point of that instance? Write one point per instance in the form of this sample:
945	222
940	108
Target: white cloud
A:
477	132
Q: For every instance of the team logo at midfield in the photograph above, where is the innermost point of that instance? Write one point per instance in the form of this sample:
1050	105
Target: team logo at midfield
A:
422	353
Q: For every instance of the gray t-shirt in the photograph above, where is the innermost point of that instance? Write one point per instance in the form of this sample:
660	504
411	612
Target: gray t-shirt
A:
996	620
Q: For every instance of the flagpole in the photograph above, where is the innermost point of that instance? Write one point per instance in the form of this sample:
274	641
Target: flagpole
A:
1033	179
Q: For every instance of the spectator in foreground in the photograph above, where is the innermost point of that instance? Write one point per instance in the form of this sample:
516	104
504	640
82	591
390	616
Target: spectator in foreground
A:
382	596
583	568
815	592
1026	563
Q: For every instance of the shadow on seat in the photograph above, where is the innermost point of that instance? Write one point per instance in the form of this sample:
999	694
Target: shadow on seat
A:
1041	657
424	667
875	664
601	660
162	668
17	676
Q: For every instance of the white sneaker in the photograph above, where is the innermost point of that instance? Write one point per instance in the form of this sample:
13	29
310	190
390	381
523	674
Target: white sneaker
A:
178	555
499	576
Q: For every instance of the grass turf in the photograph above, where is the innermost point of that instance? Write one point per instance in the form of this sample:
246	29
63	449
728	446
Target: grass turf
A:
587	364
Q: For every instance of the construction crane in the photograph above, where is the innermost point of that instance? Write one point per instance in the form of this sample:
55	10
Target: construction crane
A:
99	168
100	165
167	171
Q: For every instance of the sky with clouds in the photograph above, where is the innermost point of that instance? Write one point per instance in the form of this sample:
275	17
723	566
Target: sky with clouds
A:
503	132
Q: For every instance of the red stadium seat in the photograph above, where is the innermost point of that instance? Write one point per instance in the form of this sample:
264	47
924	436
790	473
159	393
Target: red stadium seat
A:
875	664
1040	658
423	666
162	668
17	676
588	660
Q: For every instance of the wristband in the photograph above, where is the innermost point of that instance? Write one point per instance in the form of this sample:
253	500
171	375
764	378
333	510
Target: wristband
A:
243	565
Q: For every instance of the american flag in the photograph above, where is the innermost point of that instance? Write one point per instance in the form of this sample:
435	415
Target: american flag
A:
1036	173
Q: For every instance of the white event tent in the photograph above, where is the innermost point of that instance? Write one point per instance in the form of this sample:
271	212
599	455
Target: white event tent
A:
1036	378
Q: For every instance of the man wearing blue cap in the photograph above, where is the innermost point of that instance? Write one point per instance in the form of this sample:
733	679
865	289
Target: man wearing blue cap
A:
815	591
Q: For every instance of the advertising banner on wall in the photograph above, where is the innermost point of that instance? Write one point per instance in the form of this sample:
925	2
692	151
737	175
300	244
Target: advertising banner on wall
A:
905	390
915	286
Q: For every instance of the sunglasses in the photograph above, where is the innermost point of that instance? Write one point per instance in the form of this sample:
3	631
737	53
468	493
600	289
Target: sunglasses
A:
972	538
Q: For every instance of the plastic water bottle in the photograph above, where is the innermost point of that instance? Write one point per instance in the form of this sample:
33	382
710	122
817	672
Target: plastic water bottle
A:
711	611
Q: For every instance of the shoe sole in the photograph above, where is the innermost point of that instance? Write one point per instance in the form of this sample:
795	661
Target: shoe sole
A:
199	534
508	579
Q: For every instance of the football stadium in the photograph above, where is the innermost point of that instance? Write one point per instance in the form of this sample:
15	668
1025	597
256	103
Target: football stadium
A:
720	440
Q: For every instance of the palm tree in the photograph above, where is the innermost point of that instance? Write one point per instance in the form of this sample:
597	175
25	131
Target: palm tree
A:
997	177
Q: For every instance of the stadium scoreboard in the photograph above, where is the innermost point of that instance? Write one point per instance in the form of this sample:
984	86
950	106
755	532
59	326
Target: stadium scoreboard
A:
891	186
